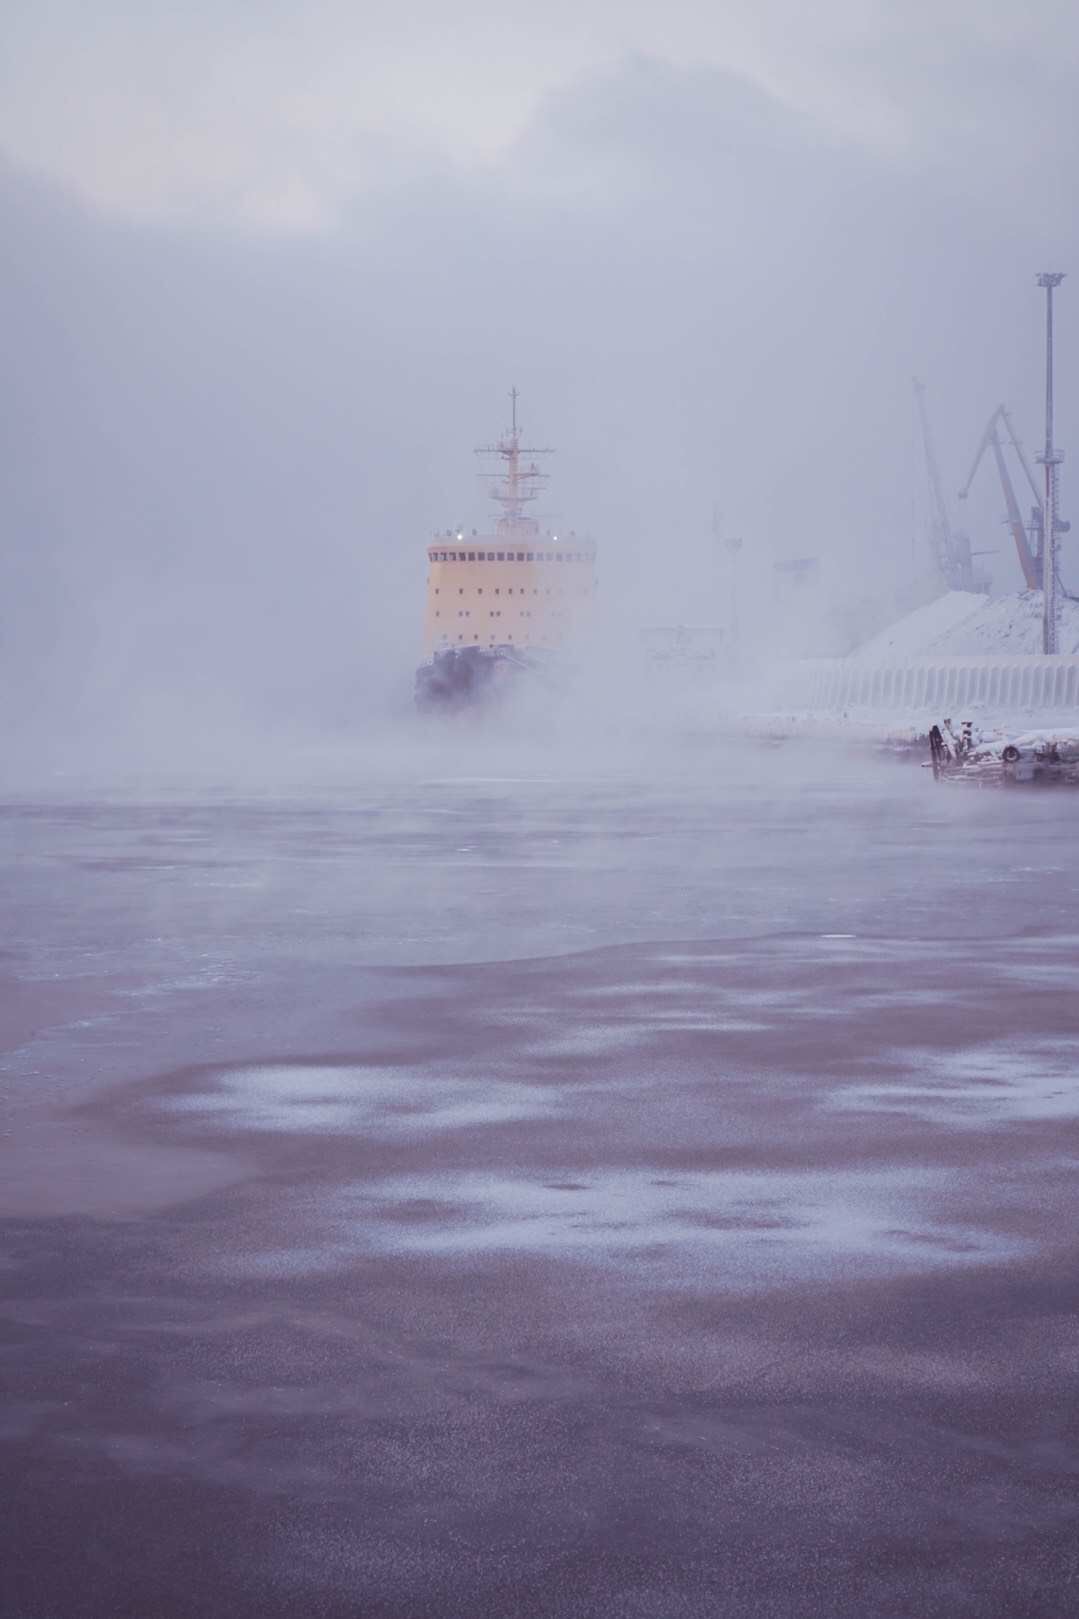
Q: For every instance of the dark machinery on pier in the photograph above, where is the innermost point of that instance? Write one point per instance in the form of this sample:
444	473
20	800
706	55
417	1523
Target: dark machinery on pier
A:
1043	758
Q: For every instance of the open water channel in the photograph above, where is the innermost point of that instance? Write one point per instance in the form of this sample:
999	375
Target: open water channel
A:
627	1193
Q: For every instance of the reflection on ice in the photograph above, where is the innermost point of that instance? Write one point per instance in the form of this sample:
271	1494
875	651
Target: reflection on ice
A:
729	1229
980	1086
351	1098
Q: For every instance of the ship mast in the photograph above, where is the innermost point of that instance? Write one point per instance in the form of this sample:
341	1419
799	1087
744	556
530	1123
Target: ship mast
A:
515	484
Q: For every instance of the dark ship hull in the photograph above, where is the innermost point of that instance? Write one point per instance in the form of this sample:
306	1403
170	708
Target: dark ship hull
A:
474	677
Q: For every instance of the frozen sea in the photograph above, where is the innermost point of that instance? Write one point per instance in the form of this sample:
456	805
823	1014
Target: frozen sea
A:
477	1186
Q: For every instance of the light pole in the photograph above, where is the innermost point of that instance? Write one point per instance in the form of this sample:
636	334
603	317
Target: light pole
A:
732	545
1050	459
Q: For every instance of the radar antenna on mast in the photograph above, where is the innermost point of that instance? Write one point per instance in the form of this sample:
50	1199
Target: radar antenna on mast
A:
515	485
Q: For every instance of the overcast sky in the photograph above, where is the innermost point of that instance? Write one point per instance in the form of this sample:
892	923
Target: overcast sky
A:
281	115
273	268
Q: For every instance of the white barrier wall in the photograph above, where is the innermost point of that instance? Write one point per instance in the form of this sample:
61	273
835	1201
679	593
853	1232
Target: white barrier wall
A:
944	685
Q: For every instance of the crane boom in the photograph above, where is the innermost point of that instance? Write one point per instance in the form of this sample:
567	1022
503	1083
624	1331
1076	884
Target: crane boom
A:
1014	441
1027	560
990	440
951	551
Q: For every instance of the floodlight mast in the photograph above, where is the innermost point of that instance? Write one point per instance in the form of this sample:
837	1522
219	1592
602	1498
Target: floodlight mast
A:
1050	459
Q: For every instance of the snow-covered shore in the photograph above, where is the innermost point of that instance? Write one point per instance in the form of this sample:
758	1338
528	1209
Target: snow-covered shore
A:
961	625
961	656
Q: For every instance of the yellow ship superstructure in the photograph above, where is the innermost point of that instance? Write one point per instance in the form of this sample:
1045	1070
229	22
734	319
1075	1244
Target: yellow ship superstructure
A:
521	587
518	587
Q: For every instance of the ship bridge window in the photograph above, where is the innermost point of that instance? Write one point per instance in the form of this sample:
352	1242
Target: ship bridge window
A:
520	556
502	556
530	557
472	556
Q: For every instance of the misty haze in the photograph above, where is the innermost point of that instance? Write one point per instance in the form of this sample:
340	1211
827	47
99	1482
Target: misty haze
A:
537	988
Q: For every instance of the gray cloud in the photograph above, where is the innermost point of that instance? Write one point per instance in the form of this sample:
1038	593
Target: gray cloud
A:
277	114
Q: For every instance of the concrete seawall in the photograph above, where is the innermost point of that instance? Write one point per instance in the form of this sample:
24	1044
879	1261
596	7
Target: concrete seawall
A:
1002	684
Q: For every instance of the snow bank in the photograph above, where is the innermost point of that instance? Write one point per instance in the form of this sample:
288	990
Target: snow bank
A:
961	624
923	630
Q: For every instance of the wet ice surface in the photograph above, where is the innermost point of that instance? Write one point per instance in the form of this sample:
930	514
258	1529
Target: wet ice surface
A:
718	1231
294	1097
552	1198
1034	1079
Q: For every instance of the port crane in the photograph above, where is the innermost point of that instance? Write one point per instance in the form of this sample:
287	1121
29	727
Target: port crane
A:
951	548
1028	538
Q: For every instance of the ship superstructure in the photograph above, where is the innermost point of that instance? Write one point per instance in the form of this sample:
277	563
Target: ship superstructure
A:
515	596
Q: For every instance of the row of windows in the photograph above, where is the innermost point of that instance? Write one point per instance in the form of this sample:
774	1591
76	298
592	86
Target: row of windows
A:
445	637
582	590
495	612
509	556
